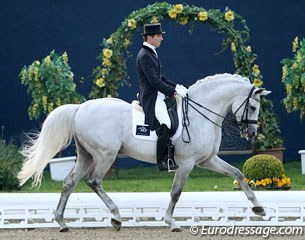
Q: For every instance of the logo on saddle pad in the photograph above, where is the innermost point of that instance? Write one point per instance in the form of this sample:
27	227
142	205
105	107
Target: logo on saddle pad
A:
142	130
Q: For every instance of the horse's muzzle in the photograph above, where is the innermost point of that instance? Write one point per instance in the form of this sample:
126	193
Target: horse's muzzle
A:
247	133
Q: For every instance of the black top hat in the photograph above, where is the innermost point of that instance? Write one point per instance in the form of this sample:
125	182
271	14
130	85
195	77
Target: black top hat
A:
151	29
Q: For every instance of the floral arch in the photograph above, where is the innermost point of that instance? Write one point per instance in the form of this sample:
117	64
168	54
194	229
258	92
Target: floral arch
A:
111	74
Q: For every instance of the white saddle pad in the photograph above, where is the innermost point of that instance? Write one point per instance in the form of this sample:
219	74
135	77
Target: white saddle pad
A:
141	130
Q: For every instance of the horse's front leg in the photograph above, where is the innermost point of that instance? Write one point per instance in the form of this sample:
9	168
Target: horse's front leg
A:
218	165
181	176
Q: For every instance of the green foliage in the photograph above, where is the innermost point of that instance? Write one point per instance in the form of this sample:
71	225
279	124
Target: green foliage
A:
268	129
112	72
294	78
10	164
263	166
50	83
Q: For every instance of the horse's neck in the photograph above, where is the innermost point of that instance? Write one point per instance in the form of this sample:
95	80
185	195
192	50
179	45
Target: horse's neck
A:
217	95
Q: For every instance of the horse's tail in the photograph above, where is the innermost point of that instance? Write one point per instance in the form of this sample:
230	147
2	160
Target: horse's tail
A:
56	134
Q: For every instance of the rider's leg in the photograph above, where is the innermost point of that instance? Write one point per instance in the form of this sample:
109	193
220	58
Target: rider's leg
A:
165	149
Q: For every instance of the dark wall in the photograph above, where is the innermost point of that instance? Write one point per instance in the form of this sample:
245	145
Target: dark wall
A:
30	29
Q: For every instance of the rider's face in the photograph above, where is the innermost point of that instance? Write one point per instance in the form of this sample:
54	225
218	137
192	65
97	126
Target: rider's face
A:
155	40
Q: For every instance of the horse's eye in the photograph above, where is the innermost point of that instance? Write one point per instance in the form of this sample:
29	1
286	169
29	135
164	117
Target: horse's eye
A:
253	108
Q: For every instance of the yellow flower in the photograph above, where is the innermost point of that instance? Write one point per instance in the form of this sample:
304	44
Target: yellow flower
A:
248	49
258	183
295	103
236	183
233	47
179	8
263	182
288	89
109	96
284	71
58	102
23	75
50	107
203	16
100	82
106	62
172	13
154	19
279	184
36	74
257	82
229	16
37	63
44	102
295	44
109	40
294	65
252	183
126	42
33	110
256	70
71	76
107	53
183	20
65	57
104	71
132	23
47	60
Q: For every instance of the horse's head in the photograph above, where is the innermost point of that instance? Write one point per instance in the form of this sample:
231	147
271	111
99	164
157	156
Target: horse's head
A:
246	110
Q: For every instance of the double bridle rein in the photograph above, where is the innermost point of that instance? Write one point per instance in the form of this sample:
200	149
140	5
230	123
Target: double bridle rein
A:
244	122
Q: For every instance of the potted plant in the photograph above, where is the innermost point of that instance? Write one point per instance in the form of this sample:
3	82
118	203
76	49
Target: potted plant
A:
269	140
264	172
50	83
293	79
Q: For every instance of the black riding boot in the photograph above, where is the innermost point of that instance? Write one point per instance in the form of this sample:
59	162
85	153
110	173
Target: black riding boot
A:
165	150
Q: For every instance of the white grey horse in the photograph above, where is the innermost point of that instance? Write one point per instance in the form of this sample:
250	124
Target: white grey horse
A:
101	129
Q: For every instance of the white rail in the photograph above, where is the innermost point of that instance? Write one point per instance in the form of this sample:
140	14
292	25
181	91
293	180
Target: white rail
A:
36	210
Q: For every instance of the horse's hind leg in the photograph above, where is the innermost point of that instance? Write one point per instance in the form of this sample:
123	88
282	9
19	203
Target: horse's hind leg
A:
94	179
81	167
218	165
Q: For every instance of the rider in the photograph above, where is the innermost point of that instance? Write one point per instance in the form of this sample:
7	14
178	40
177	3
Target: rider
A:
154	88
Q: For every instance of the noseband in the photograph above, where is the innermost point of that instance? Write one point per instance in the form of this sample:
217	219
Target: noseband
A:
244	122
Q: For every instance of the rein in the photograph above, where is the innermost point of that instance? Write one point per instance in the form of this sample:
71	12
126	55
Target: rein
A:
186	102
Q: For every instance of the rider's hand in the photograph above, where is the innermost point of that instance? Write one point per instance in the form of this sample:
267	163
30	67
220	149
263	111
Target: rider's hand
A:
181	90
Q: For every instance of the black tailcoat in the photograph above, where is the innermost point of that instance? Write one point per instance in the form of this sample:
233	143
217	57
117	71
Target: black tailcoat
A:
150	82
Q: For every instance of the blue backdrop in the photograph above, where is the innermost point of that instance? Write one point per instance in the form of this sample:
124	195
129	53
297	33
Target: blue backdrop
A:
30	29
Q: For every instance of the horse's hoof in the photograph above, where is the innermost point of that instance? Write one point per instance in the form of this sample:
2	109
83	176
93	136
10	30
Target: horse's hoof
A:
116	224
177	229
259	211
64	229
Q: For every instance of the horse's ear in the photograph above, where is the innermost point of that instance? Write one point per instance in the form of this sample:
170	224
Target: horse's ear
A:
262	92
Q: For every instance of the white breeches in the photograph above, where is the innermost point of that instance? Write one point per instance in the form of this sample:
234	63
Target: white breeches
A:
161	111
